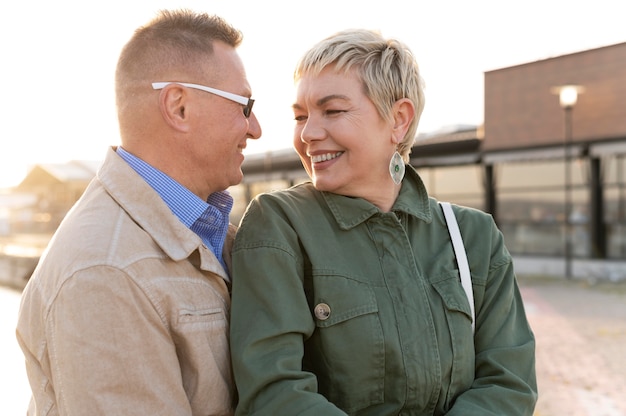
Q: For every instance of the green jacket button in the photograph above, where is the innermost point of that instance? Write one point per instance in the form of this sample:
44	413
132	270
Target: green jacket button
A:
322	311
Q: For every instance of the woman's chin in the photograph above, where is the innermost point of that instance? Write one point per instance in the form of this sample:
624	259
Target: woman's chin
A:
321	184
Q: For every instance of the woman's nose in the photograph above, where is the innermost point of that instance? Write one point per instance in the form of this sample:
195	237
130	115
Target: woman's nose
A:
312	131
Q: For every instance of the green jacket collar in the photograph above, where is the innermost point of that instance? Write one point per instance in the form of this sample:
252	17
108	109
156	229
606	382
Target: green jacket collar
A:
412	200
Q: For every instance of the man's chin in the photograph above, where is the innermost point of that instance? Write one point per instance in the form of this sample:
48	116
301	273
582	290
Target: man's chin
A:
236	178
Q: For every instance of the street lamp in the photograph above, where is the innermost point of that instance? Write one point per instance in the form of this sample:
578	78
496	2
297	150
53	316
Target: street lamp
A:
568	96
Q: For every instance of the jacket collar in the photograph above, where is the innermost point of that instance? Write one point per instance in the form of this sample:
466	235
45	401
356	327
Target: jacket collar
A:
412	200
148	210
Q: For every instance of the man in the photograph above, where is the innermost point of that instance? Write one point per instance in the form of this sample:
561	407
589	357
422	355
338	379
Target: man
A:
127	312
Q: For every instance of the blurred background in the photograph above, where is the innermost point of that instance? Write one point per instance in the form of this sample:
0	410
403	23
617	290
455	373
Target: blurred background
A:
525	118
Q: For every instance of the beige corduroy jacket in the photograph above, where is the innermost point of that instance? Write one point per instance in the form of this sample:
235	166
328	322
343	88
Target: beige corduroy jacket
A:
127	312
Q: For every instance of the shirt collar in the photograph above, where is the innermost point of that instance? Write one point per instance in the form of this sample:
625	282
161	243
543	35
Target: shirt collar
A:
186	205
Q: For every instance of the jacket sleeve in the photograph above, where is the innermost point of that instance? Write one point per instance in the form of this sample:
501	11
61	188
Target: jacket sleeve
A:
505	379
270	320
110	352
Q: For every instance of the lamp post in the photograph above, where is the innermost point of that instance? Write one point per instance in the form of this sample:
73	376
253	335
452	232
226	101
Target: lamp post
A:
568	96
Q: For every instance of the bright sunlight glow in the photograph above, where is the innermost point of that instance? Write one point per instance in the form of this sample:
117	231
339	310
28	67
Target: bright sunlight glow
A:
59	58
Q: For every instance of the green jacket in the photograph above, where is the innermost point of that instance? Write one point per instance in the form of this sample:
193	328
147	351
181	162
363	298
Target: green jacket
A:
339	308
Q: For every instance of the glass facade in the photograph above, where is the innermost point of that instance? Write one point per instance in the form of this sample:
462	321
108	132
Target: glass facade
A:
614	173
531	206
462	185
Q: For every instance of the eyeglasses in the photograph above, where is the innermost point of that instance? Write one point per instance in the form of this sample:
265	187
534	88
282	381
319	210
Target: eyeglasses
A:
245	101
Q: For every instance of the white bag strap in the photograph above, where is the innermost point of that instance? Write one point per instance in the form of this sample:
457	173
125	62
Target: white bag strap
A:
461	257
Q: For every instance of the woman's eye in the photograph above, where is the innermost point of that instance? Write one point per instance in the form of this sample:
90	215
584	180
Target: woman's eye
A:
333	112
300	118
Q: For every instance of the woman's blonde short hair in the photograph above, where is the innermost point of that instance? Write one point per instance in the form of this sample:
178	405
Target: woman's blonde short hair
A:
387	68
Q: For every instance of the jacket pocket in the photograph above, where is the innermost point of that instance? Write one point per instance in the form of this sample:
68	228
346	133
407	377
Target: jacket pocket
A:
460	364
191	316
346	351
200	336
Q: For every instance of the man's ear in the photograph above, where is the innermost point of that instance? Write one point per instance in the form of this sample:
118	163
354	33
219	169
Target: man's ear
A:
172	103
403	112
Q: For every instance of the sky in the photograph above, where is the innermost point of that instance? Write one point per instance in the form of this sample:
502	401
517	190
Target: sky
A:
58	59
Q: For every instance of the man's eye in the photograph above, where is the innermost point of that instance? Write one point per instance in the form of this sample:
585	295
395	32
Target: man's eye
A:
300	118
333	112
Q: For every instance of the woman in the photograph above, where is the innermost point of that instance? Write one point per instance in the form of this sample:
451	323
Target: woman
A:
346	292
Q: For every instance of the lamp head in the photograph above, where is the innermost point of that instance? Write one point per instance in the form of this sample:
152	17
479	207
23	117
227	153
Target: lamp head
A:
568	94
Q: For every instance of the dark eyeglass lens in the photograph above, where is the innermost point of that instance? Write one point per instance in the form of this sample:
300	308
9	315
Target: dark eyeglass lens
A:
247	110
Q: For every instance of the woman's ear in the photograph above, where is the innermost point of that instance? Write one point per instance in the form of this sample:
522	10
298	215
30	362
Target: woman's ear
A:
403	112
172	103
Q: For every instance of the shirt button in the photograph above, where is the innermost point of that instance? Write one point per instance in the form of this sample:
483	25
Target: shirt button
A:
322	311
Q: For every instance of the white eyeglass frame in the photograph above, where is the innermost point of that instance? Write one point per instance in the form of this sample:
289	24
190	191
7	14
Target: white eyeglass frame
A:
240	99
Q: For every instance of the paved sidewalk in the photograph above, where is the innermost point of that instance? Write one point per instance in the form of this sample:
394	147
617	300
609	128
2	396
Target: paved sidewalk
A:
581	345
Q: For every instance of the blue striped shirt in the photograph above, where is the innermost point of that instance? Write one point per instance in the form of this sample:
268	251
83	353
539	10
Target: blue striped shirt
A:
208	219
